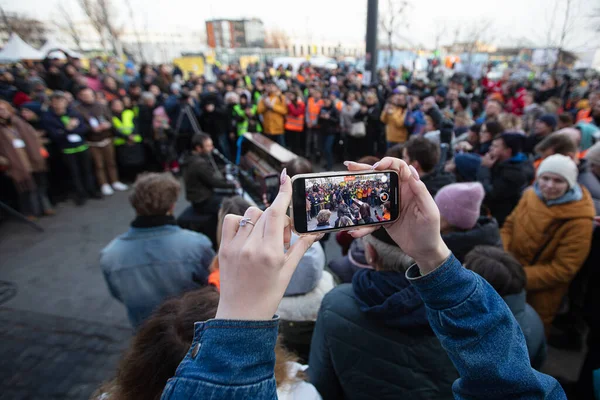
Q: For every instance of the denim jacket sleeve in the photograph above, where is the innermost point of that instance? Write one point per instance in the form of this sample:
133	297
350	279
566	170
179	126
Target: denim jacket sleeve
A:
481	336
227	360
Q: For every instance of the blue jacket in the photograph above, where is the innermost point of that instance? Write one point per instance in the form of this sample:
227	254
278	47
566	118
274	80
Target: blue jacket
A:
145	266
235	359
531	325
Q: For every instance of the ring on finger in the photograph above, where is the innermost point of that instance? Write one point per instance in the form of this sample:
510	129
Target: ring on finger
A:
246	220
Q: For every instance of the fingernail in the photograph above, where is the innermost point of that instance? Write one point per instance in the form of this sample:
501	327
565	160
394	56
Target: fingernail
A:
286	246
375	165
414	172
283	177
319	237
347	163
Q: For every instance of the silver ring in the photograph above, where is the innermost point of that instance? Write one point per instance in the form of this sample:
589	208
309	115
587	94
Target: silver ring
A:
245	221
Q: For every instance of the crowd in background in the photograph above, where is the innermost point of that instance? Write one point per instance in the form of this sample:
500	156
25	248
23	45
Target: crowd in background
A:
512	165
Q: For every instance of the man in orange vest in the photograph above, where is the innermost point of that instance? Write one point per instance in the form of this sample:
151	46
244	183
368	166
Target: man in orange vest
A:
313	109
294	122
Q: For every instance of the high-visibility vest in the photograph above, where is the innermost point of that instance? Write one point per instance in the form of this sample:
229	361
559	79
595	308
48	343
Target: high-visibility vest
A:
314	108
125	126
242	126
339	105
294	124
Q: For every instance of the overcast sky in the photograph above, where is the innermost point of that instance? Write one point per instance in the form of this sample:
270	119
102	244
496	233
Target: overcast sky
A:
511	20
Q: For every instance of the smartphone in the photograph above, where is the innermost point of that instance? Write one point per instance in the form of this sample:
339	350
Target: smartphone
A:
335	201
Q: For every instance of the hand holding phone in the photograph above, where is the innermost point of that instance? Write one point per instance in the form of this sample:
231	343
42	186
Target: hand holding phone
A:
338	201
417	228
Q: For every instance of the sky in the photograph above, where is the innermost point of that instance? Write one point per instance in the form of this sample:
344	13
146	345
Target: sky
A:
508	21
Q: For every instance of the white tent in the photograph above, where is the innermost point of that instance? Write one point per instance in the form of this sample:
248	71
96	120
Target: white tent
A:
53	44
16	49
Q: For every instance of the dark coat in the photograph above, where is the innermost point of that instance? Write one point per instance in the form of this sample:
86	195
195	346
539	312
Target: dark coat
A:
504	183
437	180
485	232
201	177
360	355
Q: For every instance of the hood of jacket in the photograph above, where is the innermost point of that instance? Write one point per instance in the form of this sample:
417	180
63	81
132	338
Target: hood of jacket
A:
583	208
389	297
437	180
485	232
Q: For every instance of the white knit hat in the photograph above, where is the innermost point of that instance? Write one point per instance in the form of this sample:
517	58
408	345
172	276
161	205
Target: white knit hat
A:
560	165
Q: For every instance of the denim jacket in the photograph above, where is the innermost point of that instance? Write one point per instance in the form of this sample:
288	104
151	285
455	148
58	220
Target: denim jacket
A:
145	266
235	359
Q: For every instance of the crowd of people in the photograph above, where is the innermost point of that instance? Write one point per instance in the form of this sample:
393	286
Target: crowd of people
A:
502	177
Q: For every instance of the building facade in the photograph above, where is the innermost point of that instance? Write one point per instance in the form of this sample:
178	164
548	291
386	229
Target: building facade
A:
233	34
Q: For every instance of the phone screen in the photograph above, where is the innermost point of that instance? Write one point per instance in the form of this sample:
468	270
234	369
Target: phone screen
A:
331	202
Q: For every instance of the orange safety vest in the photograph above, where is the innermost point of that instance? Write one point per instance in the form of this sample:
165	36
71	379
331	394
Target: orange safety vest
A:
314	108
294	124
339	105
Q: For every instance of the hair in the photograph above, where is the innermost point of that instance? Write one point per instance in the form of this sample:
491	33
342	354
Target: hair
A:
395	151
500	269
369	160
147	96
365	210
154	194
8	106
323	216
198	140
390	257
566	119
344	221
231	97
299	165
236	205
164	340
494	128
558	142
476	128
424	151
510	122
388	206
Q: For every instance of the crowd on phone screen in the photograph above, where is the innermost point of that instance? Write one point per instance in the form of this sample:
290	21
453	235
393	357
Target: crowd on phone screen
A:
513	167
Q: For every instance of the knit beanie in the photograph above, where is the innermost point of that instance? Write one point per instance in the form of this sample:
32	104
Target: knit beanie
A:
560	165
593	154
467	165
549	119
460	203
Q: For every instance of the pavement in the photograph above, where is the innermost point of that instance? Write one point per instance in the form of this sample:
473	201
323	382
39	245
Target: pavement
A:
61	333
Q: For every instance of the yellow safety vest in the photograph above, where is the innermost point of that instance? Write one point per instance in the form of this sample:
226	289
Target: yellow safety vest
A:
126	127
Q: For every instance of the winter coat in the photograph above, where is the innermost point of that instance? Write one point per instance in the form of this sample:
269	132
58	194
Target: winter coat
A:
504	183
395	130
372	340
19	172
201	176
590	181
551	242
435	180
485	232
531	325
274	118
347	115
95	113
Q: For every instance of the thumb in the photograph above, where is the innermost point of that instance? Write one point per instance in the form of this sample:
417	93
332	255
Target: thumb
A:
296	252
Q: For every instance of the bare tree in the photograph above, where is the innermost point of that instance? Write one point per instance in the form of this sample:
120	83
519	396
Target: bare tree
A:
90	9
440	30
276	39
106	15
68	25
29	29
391	21
137	32
475	36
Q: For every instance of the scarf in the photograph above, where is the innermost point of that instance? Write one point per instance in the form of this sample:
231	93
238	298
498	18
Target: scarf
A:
573	194
388	297
152	221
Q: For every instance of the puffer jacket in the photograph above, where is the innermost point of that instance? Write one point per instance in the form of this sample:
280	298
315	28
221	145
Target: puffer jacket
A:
561	235
274	118
395	130
372	340
485	232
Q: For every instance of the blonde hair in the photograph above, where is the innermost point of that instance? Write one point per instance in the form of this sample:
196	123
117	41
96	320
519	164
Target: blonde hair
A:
323	216
510	122
154	194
